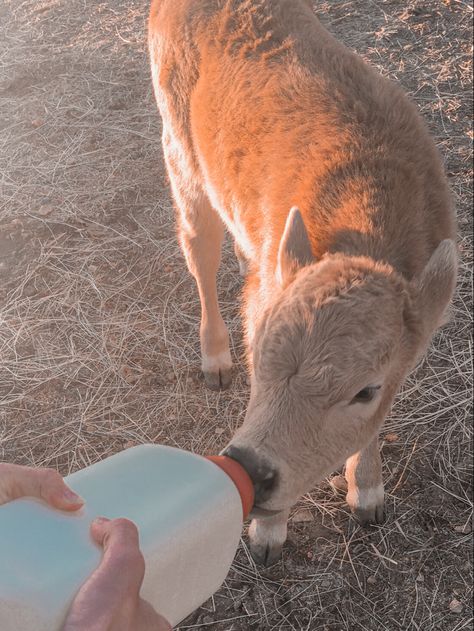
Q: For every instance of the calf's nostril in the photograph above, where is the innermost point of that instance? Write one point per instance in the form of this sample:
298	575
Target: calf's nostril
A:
268	480
264	486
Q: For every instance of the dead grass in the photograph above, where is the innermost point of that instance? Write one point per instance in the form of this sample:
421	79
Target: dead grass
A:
99	318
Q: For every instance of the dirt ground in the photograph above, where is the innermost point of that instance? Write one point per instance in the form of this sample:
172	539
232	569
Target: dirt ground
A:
99	317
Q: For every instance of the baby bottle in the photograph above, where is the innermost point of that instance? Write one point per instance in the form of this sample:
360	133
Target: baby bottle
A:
189	511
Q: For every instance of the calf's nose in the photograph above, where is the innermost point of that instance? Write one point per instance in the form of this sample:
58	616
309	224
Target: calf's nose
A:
264	477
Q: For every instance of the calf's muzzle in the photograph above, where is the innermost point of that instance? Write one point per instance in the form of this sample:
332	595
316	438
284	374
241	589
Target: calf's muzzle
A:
263	475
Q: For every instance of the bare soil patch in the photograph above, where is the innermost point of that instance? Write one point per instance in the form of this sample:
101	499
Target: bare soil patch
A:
99	317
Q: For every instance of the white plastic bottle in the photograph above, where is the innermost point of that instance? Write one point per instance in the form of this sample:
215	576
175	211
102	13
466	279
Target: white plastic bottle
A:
189	513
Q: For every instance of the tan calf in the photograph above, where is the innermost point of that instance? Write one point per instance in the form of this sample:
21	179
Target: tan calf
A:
335	195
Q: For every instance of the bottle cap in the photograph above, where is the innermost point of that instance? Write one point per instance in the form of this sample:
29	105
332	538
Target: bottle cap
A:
240	478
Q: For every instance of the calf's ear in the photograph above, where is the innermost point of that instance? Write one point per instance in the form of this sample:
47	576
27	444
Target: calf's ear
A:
435	286
295	248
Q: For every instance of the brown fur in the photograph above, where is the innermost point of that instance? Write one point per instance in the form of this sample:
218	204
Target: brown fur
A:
264	110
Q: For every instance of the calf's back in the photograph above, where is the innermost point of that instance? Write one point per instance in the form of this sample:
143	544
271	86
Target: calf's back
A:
270	111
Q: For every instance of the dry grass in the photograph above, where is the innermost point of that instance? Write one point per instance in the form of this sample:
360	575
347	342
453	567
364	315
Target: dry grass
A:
98	317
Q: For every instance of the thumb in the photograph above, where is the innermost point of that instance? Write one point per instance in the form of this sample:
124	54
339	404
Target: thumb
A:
57	493
115	533
45	484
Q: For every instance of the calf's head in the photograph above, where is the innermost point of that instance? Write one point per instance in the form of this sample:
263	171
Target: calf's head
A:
328	357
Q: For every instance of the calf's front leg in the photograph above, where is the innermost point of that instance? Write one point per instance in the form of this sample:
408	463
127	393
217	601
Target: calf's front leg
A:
365	492
201	233
267	536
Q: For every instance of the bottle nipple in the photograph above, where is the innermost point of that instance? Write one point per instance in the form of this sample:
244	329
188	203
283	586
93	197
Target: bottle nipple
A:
240	478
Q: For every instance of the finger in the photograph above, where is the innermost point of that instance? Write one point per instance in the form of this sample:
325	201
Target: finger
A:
112	591
99	528
55	491
45	484
117	532
120	540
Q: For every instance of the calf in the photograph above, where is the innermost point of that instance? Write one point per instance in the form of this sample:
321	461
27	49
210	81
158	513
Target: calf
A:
327	179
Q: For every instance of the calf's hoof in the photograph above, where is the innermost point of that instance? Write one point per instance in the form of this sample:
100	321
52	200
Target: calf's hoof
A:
265	554
218	380
368	516
217	370
367	505
267	536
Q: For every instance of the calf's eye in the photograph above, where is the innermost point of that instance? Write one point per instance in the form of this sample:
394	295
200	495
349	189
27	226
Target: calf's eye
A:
366	394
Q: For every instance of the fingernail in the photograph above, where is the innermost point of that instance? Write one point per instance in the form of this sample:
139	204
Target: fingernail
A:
72	498
100	521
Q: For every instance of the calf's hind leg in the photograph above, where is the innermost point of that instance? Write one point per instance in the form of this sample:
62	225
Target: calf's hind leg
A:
365	492
243	266
201	233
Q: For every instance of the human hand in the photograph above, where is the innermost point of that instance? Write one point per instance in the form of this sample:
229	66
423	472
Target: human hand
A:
45	484
110	599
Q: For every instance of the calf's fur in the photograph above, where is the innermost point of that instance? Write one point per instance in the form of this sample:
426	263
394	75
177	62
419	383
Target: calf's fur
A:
333	190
